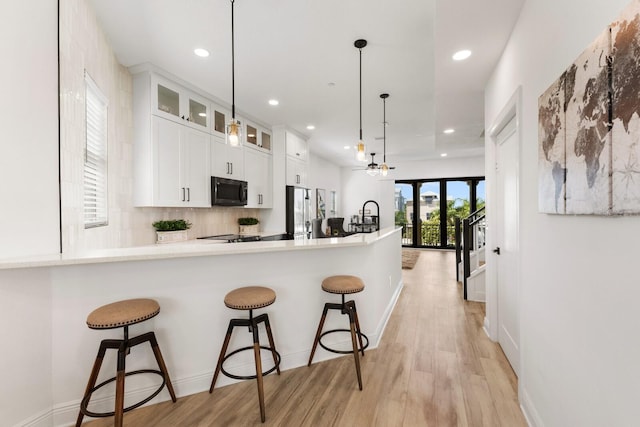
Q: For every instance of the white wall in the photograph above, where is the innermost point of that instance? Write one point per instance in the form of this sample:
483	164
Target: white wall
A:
29	123
579	291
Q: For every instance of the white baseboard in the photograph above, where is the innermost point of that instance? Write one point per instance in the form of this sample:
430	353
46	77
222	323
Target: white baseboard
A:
43	419
387	313
528	409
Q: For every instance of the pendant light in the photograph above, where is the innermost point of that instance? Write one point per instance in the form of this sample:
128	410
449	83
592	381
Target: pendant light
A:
360	153
233	128
384	168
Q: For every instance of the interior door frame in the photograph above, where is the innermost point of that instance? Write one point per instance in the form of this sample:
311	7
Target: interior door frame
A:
512	109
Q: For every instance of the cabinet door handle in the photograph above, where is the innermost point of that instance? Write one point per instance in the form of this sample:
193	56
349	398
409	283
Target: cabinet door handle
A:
188	194
183	194
231	168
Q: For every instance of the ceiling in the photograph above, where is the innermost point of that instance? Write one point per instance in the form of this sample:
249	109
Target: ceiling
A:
301	53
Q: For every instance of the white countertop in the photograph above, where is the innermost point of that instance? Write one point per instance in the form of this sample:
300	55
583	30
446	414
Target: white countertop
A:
191	248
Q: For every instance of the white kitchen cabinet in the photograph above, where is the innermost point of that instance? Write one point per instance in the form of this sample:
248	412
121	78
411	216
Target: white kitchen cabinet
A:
257	137
173	102
296	147
258	174
172	170
297	156
226	161
297	172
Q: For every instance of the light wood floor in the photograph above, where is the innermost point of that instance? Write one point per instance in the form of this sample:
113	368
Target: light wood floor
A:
434	367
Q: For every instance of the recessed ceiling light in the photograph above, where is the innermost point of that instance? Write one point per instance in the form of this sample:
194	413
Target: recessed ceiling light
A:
461	55
443	155
311	127
274	102
203	53
448	131
347	147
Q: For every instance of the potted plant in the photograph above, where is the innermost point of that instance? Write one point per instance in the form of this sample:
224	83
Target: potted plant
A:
171	230
248	225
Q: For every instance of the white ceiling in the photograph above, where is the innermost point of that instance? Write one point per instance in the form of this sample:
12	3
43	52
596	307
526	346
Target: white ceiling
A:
301	52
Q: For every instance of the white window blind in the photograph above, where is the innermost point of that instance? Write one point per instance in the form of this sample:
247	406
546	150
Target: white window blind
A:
95	160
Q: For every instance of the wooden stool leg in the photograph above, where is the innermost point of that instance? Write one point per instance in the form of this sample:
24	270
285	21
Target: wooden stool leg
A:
318	333
354	342
119	404
163	368
93	378
272	344
223	351
256	352
355	315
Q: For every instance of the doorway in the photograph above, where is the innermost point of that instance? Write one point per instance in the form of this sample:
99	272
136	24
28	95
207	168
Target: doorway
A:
426	209
503	283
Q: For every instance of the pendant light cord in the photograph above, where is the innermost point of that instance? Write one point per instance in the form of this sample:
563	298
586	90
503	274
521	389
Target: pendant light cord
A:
384	130
233	69
360	49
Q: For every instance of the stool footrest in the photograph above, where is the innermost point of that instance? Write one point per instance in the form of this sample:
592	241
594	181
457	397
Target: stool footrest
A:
85	399
361	335
249	377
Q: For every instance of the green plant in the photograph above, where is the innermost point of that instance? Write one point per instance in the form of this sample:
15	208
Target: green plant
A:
248	221
171	225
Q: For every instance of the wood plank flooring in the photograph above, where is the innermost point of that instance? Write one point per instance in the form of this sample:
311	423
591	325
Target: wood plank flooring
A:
434	367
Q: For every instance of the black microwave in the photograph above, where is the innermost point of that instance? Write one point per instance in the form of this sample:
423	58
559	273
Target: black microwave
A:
228	192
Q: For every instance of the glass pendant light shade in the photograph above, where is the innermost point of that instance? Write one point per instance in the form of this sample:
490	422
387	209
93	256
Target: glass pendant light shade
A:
234	133
360	153
384	169
372	171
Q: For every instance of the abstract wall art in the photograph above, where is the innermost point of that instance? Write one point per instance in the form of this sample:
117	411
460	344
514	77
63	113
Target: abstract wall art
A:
589	127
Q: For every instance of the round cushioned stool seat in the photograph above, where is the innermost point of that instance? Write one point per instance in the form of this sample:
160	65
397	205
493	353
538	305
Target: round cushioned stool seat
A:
123	313
250	297
342	284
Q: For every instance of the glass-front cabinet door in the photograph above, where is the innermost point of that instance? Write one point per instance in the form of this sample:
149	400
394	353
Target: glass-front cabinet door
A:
174	102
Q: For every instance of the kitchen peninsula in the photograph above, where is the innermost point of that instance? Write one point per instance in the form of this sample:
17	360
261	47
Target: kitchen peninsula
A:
46	300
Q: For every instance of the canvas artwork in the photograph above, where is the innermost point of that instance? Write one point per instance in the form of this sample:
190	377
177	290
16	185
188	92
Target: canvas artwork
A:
588	143
551	149
625	38
321	207
589	127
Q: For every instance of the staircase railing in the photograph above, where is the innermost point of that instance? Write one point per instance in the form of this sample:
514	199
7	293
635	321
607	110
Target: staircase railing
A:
470	236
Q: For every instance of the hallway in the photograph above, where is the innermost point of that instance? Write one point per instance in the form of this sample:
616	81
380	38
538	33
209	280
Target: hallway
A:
434	367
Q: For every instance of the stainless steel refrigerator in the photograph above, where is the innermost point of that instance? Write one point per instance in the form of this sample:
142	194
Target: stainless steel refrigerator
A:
298	212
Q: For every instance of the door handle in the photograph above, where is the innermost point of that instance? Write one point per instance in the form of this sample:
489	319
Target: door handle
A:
497	250
188	194
183	198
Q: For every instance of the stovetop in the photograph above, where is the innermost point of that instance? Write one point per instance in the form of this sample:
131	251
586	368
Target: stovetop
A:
233	238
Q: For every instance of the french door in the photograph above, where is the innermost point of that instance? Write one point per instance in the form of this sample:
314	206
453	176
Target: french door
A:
426	209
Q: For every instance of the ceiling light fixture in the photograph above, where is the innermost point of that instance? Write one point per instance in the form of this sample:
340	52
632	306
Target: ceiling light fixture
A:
443	155
384	169
311	127
347	147
274	102
360	154
233	130
461	55
202	53
372	168
448	131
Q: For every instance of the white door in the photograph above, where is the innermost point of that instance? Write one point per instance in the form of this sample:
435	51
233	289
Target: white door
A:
507	154
197	176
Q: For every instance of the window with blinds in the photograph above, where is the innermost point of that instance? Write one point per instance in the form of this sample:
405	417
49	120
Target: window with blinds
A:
95	160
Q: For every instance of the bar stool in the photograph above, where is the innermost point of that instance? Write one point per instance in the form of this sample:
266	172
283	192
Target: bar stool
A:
343	285
249	298
122	314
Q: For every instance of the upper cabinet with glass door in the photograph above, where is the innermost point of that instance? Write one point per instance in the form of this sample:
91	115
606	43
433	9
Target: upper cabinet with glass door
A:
257	137
174	102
